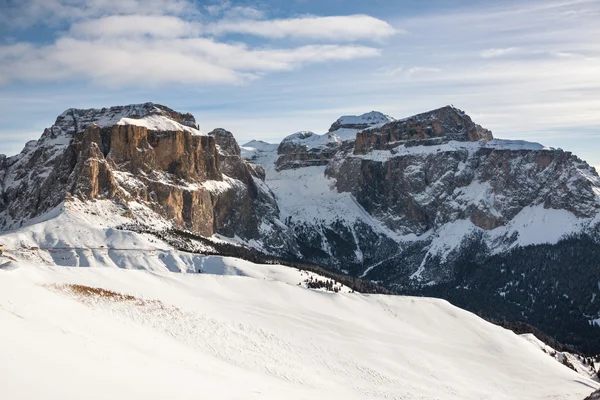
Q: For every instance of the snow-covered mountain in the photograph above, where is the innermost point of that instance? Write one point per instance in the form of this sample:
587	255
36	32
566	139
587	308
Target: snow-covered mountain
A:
432	204
429	204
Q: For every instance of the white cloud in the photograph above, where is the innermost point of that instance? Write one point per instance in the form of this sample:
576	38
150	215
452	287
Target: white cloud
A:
160	26
135	43
337	28
146	61
229	11
244	12
405	72
422	70
493	53
25	13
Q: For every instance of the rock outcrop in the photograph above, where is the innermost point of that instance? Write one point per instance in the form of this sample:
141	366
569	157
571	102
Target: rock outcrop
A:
146	154
447	123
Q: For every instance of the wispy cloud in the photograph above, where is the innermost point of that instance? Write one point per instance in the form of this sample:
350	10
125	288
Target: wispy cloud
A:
493	53
401	71
336	28
142	61
228	10
158	26
422	70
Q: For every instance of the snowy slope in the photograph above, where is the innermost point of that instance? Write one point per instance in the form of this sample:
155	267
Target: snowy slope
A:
565	357
252	148
452	146
155	335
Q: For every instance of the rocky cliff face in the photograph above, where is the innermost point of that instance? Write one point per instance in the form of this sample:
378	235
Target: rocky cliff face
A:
147	154
351	202
447	123
421	188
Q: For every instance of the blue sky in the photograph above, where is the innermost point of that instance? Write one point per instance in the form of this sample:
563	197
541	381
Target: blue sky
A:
265	69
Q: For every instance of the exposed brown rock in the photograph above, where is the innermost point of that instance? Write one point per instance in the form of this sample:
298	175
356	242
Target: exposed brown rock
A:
185	177
447	122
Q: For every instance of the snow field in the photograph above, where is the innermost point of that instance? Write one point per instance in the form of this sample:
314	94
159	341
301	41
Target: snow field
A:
260	335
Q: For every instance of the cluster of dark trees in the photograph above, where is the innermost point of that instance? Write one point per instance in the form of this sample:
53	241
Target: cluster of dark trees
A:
589	361
327	284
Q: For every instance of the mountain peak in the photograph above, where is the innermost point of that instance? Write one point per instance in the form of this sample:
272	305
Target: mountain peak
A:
437	113
309	140
360	122
150	115
445	123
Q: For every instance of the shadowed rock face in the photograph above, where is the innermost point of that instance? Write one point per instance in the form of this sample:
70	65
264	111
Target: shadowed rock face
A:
416	192
197	181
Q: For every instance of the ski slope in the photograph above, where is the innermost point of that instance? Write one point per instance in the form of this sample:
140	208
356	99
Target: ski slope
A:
246	331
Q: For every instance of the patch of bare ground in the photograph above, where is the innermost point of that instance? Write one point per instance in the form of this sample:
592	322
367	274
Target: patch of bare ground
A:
88	294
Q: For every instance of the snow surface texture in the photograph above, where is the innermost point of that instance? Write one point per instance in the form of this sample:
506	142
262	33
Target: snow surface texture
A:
156	123
159	335
238	330
561	356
